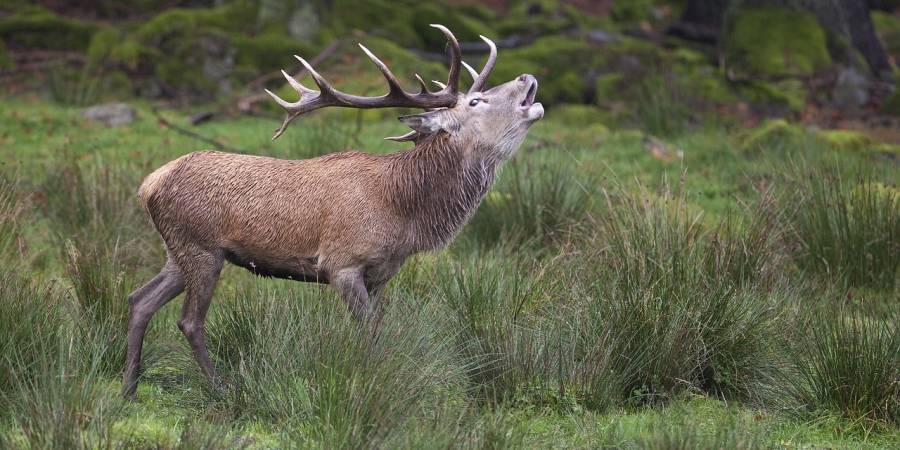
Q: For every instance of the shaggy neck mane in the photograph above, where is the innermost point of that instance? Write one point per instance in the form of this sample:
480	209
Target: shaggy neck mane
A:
438	188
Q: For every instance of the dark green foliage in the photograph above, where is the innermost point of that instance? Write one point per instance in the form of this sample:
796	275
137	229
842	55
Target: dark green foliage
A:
36	28
848	231
849	364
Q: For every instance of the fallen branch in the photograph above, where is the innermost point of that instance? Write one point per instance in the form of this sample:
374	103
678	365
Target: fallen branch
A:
219	145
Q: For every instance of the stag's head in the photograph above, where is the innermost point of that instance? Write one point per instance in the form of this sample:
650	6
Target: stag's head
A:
493	121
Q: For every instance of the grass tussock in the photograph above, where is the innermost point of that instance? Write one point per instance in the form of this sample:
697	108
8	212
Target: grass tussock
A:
674	307
848	232
100	287
848	364
52	388
297	357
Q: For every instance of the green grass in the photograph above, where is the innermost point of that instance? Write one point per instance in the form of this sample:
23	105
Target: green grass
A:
601	298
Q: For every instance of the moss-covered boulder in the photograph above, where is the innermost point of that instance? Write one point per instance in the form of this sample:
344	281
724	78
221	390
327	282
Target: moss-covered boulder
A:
775	42
772	134
845	139
34	27
779	97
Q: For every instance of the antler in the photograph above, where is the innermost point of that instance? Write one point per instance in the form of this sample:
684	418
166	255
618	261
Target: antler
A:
396	97
481	78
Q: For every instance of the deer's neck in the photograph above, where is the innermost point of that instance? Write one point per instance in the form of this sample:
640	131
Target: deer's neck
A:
437	188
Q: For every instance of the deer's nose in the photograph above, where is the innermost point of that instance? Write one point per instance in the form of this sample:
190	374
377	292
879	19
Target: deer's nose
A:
525	77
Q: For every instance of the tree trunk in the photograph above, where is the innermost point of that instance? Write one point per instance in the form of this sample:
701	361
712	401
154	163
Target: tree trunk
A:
863	37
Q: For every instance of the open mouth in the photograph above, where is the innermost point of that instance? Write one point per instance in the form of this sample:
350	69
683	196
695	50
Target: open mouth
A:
532	92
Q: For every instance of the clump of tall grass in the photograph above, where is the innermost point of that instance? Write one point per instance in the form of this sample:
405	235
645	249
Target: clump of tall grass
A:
52	394
30	320
511	349
298	357
64	403
100	287
673	307
847	231
660	109
533	204
848	364
98	206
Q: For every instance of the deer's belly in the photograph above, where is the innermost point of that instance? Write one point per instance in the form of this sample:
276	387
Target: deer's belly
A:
267	264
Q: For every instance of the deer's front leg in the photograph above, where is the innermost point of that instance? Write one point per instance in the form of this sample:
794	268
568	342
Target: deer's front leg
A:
350	285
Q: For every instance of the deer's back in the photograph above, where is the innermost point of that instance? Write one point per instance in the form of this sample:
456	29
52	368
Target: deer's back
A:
270	209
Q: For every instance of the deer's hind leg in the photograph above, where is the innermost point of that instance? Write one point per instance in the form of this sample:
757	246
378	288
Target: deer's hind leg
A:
201	271
143	303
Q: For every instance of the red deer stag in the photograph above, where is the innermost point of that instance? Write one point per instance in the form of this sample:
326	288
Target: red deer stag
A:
348	219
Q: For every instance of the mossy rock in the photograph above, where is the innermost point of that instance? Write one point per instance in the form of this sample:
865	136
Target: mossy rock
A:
701	81
846	140
37	28
775	42
771	133
788	95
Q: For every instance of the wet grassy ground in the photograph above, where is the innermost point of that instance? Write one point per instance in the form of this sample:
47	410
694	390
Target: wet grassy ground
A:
607	294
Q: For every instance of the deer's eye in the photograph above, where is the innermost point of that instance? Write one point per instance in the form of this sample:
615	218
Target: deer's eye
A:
474	101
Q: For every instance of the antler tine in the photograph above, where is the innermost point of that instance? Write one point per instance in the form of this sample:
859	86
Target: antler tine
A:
411	136
321	82
423	87
393	85
455	58
488	66
303	90
471	70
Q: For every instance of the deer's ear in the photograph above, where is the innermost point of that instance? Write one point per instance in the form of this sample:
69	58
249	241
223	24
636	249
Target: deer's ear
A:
430	122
